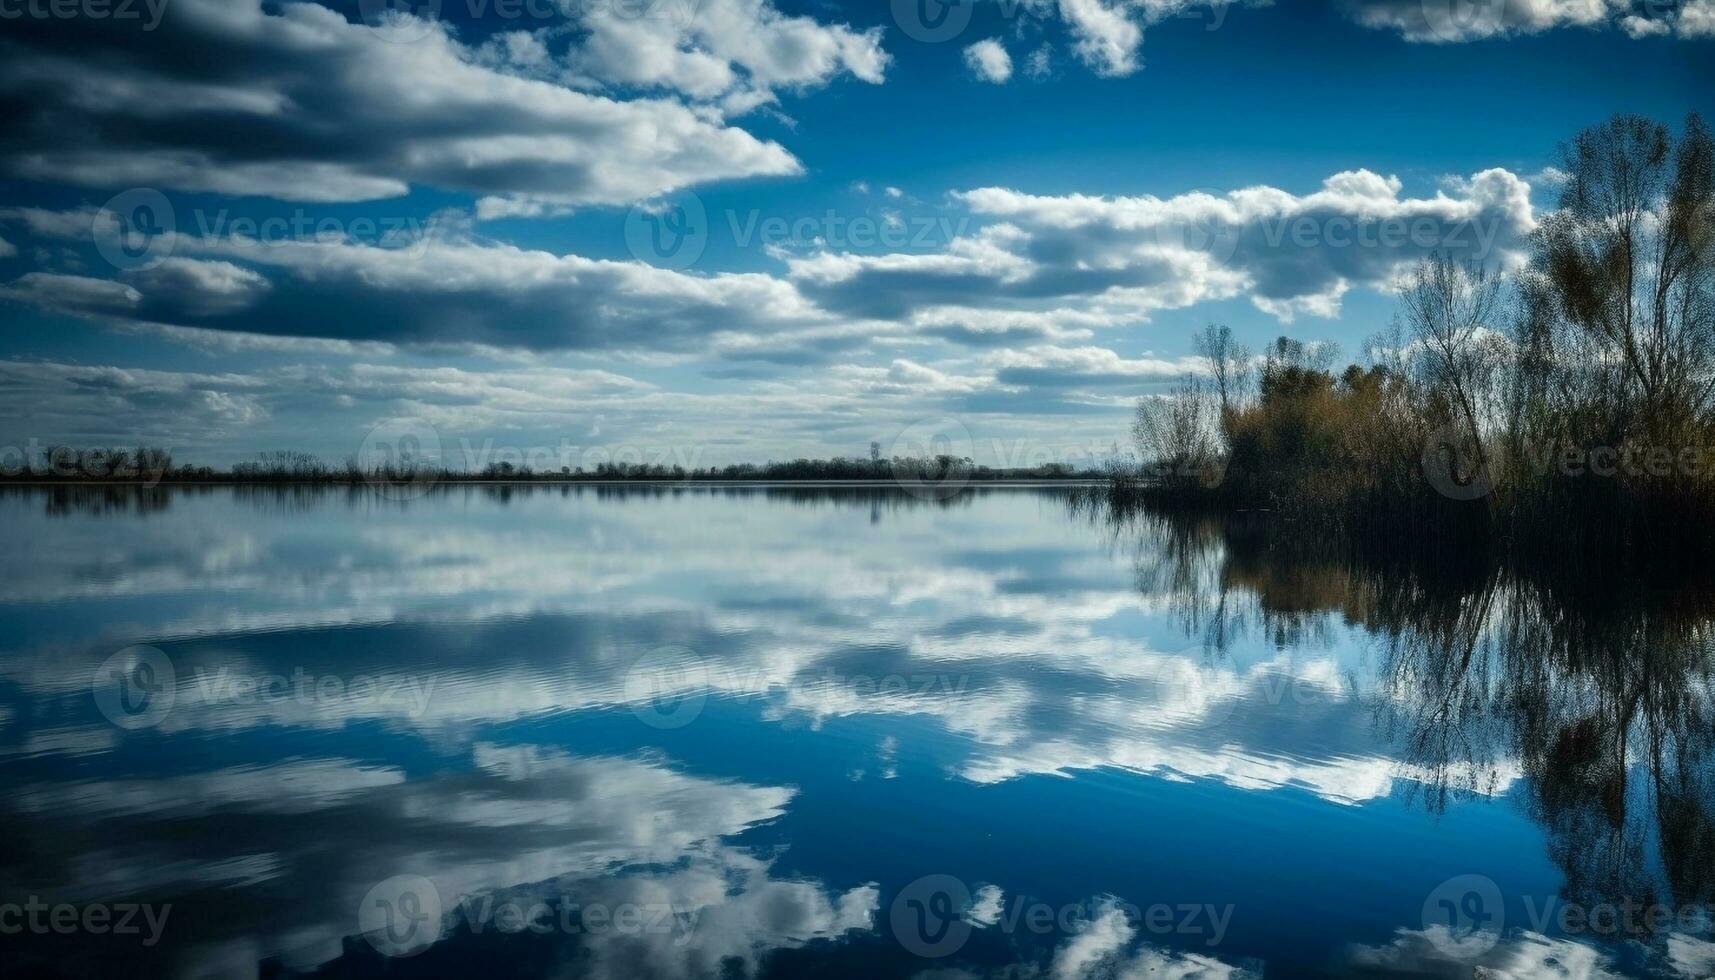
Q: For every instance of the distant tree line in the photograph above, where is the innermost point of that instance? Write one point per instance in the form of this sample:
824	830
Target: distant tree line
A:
1573	396
62	464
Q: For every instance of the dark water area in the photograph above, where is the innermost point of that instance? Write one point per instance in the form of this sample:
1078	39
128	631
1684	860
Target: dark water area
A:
679	732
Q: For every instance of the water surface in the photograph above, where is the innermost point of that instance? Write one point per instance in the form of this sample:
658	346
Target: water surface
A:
676	733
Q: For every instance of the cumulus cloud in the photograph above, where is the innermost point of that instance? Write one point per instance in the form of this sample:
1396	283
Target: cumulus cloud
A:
76	295
515	815
1080	367
7	249
736	52
1453	21
439	289
989	61
1125	257
114	405
1107	35
298	103
1105	948
1039	270
1438	952
1040	64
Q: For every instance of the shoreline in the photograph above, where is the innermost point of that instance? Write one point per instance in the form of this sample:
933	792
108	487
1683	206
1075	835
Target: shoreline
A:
430	484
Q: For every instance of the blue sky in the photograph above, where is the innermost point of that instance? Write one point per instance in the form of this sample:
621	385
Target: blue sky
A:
1003	236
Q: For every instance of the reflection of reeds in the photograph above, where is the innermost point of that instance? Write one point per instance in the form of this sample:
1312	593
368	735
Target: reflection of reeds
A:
1595	682
298	497
118	466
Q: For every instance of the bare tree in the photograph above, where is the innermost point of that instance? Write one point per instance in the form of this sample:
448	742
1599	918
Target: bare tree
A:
1229	364
1450	308
1627	265
1177	433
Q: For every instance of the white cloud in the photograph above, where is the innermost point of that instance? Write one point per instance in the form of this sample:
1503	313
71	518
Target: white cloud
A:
1106	34
77	295
1040	64
986	906
1456	21
1696	19
1122	258
1438	952
736	52
298	103
442	288
989	61
1104	950
1102	939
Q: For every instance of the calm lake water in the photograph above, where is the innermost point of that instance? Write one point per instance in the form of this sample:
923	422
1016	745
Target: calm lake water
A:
582	732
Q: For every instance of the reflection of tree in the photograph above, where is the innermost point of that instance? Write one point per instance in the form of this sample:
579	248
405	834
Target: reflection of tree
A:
99	500
1614	720
1598	687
